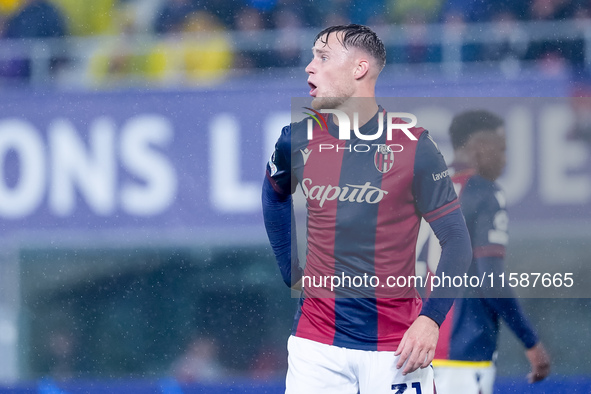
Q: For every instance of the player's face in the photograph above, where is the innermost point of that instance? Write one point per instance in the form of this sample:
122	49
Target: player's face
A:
490	154
330	73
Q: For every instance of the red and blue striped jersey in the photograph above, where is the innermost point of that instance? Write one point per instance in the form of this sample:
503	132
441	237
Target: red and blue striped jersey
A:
364	205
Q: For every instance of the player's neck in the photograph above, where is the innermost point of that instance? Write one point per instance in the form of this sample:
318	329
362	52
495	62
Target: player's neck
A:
364	107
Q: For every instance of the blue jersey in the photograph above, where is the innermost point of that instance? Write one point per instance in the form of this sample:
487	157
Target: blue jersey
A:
364	206
471	331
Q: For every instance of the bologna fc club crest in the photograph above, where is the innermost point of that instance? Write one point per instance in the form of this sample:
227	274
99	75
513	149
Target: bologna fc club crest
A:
384	159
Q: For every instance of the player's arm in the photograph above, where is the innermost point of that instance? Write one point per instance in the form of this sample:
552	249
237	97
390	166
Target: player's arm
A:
490	236
508	307
278	186
437	201
489	223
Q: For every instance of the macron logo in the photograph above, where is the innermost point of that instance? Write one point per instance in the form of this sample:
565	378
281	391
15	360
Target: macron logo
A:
305	154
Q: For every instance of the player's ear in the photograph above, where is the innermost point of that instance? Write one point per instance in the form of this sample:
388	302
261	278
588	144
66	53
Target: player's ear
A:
361	68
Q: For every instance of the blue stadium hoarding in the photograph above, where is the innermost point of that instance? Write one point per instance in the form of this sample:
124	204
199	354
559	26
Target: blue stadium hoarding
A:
142	160
169	386
192	161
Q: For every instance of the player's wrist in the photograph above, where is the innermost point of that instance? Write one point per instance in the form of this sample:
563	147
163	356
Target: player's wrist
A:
436	309
429	318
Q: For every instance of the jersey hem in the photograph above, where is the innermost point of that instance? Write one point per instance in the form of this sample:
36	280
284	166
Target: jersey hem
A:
368	347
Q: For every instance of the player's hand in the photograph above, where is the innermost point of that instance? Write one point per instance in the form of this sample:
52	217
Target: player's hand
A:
417	347
540	363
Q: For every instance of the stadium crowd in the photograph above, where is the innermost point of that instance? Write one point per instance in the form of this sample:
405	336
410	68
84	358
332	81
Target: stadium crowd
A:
214	52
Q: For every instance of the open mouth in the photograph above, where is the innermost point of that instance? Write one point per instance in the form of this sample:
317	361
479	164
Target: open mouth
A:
313	89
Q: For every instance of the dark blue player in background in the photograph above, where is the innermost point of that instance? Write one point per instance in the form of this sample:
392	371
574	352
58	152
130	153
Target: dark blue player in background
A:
466	351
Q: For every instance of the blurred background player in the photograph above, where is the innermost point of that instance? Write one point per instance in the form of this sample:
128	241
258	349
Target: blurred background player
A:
465	356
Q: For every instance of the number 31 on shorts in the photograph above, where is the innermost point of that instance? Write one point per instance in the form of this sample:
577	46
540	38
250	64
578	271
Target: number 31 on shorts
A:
401	388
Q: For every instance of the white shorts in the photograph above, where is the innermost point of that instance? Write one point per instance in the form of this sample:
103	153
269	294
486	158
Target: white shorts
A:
317	368
464	377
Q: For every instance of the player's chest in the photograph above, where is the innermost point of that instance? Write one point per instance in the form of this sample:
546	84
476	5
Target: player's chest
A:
332	172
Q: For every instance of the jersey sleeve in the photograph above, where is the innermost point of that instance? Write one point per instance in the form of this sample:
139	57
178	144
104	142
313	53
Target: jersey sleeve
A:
279	170
432	186
437	202
456	254
278	209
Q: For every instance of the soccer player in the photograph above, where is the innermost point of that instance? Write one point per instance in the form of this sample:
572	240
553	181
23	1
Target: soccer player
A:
363	214
465	354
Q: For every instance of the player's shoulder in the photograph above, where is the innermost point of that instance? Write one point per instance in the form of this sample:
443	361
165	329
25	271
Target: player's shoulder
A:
299	128
295	134
293	137
422	133
415	130
425	139
401	121
428	155
419	133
